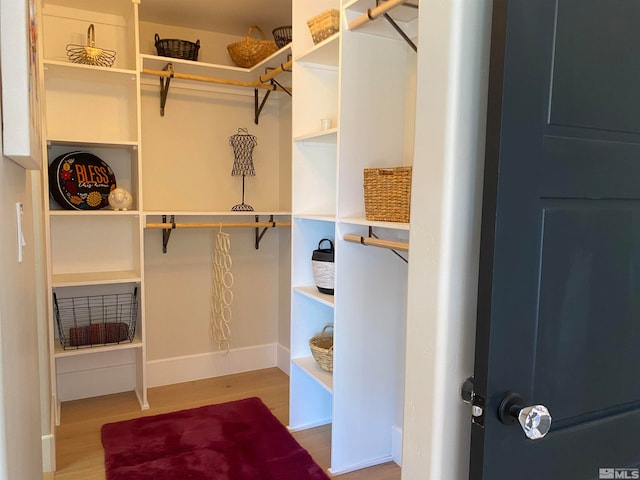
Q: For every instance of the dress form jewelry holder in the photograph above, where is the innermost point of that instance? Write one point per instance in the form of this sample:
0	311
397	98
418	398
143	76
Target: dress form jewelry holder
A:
243	144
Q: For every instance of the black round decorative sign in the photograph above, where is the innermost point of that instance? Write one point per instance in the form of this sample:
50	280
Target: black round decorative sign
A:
81	181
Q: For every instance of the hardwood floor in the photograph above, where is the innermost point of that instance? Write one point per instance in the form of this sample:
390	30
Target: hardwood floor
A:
79	450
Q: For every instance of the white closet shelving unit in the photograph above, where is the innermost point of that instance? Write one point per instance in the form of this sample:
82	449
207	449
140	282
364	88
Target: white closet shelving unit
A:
365	81
94	109
100	110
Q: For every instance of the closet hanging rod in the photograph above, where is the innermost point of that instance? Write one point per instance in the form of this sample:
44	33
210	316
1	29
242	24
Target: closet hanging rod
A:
168	227
167	73
381	11
377	242
260	82
218	225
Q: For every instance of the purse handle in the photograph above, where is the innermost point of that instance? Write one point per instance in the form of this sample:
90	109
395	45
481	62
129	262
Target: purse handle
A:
325	240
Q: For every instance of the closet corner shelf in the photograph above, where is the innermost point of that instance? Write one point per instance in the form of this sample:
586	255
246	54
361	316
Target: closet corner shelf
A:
321	137
309	366
228	72
94	278
313	293
74	352
405	16
73	71
325	53
376	224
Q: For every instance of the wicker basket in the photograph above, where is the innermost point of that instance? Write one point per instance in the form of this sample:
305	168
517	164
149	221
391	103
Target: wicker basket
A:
387	194
324	25
171	47
282	36
250	51
321	346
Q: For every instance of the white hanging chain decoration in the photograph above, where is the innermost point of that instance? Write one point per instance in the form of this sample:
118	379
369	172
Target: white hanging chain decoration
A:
222	295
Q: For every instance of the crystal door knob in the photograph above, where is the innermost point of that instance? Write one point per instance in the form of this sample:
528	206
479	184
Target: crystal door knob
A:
535	420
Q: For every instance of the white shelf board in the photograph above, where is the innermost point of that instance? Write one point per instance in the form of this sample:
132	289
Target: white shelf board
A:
329	137
80	143
74	352
325	53
87	73
227	72
313	293
311	367
405	16
377	224
94	278
319	217
105	212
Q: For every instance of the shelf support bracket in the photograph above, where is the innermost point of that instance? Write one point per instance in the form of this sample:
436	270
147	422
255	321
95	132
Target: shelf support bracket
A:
260	105
166	232
373	235
164	87
259	234
401	32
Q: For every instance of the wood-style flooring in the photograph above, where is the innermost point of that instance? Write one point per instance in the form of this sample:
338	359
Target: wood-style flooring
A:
79	453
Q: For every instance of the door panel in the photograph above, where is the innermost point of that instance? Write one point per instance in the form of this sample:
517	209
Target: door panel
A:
559	288
592	84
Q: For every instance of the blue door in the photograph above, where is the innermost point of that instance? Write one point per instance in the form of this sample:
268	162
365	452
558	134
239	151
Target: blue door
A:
559	288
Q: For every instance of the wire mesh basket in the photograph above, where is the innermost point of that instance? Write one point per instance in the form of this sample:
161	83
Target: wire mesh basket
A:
96	320
89	54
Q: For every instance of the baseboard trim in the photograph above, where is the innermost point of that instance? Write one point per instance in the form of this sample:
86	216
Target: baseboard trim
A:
306	426
396	444
358	466
169	371
48	453
284	359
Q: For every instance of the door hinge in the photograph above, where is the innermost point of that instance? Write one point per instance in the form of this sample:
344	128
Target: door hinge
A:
476	401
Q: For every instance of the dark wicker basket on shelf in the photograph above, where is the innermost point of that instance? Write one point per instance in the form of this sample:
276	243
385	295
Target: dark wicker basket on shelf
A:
171	47
282	35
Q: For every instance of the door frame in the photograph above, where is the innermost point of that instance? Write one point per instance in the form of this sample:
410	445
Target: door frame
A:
452	84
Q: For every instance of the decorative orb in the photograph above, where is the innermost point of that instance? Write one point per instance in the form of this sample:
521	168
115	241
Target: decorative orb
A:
120	199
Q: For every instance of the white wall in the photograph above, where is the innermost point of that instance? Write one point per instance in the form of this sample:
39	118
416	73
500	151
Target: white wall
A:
20	428
445	228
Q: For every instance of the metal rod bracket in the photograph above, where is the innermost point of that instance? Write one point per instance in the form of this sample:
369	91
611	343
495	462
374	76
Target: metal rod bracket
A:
373	235
164	87
259	234
166	232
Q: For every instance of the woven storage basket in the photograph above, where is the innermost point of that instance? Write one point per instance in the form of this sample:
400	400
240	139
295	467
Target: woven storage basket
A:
250	51
323	267
282	35
324	25
174	48
387	194
321	346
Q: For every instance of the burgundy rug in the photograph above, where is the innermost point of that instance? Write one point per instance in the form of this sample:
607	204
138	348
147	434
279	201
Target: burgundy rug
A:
239	440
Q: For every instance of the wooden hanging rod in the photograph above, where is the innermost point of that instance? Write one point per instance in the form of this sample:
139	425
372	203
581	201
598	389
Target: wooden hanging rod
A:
260	82
373	13
218	225
377	242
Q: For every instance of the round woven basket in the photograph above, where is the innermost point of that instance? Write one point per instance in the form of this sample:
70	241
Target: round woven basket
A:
250	51
321	346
